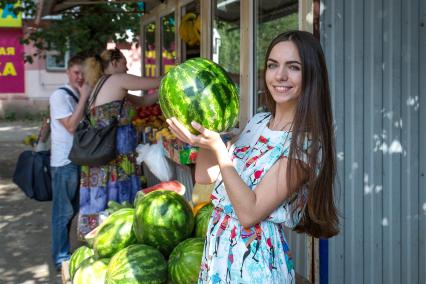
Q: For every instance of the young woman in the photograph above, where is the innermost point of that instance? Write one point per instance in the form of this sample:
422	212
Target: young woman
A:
119	179
279	172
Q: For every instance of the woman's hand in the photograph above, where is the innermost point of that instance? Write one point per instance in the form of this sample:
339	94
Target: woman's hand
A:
207	139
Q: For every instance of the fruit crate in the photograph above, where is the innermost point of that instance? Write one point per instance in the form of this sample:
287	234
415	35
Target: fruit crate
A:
65	275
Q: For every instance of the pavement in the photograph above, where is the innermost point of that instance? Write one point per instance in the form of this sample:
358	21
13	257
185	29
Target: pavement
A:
24	223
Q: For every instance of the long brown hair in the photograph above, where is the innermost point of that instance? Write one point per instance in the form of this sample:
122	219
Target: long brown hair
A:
314	118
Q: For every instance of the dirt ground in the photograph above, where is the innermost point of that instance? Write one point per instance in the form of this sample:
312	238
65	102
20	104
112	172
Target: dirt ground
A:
24	223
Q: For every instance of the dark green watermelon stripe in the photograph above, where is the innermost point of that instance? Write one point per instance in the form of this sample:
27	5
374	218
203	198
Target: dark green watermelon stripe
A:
137	264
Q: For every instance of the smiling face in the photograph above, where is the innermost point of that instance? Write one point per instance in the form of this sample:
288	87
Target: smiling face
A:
283	74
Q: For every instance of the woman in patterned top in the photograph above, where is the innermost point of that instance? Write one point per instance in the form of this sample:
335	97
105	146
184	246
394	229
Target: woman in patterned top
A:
278	173
119	180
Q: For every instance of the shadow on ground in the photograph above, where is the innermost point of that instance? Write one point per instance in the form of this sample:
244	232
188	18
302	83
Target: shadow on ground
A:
24	223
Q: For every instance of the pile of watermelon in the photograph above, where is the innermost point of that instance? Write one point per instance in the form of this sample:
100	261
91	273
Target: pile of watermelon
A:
157	241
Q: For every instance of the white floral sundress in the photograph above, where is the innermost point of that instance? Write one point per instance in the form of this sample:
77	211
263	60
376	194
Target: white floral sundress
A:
260	254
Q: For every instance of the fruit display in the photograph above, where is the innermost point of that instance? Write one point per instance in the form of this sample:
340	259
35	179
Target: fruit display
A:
91	271
181	153
115	206
163	249
137	264
78	257
198	206
151	124
115	233
189	29
149	116
163	219
202	220
200	90
185	260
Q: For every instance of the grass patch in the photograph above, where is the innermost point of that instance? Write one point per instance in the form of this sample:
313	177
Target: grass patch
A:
13	116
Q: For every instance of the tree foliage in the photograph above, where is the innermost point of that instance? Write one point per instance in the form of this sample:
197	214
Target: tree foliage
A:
83	29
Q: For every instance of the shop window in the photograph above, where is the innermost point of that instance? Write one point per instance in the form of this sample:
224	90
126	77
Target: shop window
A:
149	55
56	61
168	44
226	37
190	44
272	17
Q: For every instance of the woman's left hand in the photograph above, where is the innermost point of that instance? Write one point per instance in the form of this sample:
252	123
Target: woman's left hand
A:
207	139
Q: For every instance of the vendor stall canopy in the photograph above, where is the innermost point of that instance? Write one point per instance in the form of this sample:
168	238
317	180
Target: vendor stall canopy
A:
53	7
228	11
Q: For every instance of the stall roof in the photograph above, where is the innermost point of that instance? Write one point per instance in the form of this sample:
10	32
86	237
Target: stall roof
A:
53	7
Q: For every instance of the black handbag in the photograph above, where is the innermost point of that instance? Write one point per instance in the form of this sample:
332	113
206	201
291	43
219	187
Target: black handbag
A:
95	145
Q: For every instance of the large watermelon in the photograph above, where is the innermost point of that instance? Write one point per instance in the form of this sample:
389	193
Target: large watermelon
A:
91	271
185	261
200	90
137	264
163	219
202	220
77	258
115	233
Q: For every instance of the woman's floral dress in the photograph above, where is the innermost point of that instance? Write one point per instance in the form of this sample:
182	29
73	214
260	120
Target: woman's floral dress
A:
260	254
119	180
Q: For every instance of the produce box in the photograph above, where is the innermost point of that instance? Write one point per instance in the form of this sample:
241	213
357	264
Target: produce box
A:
179	152
65	274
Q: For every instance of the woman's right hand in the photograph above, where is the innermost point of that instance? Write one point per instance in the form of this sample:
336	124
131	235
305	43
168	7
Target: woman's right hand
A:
207	139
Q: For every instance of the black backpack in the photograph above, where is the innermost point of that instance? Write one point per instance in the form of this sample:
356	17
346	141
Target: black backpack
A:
32	175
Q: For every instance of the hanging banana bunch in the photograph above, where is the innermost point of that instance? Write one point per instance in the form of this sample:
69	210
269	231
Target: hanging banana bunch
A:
189	29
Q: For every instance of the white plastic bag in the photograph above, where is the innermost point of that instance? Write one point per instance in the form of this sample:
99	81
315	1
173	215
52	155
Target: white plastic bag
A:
142	150
154	158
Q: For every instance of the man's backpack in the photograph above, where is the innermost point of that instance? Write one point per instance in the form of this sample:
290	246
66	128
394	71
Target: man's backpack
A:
32	175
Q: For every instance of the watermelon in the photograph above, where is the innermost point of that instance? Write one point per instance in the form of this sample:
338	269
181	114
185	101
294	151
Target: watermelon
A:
198	206
139	195
163	219
173	185
200	90
115	233
77	258
202	220
185	261
91	271
115	206
137	264
90	236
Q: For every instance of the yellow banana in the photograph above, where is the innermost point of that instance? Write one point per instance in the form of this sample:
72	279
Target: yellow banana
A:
187	29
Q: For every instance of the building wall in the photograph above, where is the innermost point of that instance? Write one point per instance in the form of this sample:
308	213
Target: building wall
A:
40	83
376	57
